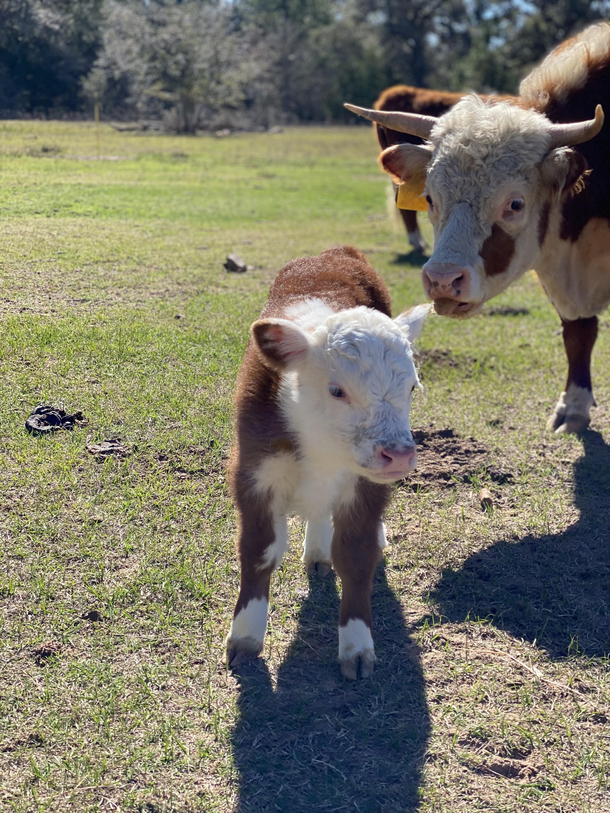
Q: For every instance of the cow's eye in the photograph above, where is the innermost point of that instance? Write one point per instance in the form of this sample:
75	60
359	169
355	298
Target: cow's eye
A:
336	391
429	201
513	207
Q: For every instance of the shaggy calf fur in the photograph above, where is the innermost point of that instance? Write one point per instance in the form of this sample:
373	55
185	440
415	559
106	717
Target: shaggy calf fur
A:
323	401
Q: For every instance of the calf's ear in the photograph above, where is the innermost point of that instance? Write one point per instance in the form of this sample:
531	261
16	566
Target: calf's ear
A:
281	343
411	321
563	169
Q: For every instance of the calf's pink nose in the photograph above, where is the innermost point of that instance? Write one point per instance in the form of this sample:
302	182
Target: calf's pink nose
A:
396	460
446	280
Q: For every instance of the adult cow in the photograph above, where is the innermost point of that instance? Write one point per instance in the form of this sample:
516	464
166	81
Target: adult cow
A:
518	185
408	99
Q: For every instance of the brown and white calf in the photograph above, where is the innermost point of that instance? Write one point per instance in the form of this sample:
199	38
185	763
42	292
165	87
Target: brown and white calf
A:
513	186
322	413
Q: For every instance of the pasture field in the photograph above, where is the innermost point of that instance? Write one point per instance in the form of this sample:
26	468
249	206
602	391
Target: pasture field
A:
118	575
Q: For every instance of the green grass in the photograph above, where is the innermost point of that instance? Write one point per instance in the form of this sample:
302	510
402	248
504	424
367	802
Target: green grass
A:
118	576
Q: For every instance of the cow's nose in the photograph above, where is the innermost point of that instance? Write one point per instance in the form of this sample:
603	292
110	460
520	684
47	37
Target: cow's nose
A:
446	280
397	461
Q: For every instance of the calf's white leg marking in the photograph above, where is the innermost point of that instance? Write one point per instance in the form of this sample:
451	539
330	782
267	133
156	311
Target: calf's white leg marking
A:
248	628
316	548
382	538
274	553
356	649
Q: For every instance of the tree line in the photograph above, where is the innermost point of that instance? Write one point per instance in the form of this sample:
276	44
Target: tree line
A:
194	64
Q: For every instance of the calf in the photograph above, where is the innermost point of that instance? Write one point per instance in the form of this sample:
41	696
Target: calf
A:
323	401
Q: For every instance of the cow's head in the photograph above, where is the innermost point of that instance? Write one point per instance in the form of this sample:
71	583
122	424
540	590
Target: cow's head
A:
494	171
348	386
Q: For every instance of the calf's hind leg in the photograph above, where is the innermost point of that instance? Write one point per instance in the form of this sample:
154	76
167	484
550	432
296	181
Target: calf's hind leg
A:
262	543
355	553
572	412
316	549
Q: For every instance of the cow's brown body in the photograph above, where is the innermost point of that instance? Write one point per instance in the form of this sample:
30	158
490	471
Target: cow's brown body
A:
519	185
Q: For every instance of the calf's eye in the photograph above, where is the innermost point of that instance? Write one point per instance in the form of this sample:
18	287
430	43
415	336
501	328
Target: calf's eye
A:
429	201
336	391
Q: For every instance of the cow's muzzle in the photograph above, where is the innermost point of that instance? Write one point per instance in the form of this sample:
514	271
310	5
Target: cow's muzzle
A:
447	281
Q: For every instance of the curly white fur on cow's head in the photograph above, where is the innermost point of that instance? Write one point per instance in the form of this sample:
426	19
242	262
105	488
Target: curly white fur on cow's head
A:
490	184
348	383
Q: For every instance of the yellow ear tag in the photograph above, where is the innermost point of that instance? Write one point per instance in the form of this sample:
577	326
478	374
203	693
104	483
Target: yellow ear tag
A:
410	193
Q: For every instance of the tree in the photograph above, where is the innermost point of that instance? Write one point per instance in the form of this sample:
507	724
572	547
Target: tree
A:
45	48
181	60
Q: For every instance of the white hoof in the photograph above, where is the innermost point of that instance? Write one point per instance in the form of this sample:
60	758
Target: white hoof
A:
247	631
242	649
572	412
356	650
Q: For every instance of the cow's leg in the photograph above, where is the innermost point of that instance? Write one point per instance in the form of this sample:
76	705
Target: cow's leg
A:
572	413
316	549
356	550
262	543
413	233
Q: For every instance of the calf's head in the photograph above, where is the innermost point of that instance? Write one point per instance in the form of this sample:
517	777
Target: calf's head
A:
494	171
347	387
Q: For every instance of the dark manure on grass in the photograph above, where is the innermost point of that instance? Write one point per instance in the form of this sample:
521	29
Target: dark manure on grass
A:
46	419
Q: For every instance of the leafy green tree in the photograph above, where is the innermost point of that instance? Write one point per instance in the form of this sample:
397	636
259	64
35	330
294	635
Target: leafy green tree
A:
183	61
45	48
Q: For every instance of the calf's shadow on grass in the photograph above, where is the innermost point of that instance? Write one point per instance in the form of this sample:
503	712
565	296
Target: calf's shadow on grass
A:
552	590
315	742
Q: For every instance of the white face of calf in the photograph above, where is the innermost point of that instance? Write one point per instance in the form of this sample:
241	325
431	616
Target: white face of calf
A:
348	387
491	181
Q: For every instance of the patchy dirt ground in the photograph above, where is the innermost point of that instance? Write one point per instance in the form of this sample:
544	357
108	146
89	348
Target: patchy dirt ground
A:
445	459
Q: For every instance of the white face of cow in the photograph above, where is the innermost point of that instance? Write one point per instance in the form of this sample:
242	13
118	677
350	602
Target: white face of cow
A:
348	387
491	181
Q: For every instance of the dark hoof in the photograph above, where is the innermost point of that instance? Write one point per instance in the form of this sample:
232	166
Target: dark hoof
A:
319	568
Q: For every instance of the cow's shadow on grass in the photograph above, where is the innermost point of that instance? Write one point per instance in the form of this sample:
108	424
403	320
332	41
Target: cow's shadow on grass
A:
415	257
315	742
553	590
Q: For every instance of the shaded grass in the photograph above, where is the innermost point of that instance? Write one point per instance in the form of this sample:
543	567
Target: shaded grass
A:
117	577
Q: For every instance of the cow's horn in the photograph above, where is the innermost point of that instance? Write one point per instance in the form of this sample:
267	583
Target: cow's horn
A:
564	135
413	123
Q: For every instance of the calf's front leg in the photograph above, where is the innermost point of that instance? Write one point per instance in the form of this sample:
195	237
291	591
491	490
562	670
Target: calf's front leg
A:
355	552
262	543
572	412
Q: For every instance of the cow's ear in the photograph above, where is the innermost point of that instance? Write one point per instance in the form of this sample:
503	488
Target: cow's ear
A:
563	169
281	343
411	321
403	161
